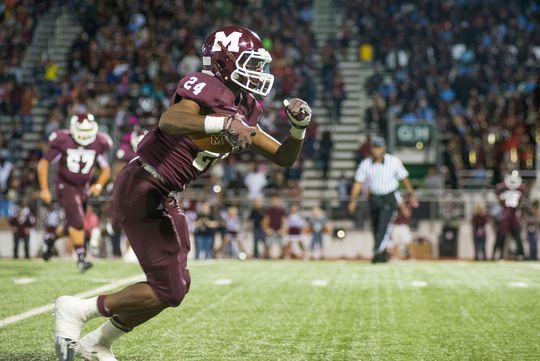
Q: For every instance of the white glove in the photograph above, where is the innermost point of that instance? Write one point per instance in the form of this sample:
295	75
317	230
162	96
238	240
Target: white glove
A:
299	114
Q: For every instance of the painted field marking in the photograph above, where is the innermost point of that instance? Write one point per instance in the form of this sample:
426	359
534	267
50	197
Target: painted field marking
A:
519	284
419	284
319	283
23	281
39	310
222	282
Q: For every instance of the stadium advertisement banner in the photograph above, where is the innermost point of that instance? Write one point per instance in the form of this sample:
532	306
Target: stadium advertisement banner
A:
410	135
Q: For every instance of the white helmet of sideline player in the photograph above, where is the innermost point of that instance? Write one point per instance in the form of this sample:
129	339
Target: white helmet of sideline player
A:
136	137
513	180
83	128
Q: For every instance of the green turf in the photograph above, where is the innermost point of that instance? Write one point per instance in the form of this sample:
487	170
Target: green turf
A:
271	311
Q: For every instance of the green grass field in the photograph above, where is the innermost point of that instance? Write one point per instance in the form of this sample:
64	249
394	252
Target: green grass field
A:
302	311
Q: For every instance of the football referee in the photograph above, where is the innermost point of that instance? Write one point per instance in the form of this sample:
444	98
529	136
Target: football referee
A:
381	173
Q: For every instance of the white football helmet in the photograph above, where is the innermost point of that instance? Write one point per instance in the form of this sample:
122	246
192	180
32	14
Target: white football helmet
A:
136	137
83	128
512	180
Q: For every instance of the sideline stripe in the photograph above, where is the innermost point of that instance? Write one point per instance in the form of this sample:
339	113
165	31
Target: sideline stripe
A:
39	310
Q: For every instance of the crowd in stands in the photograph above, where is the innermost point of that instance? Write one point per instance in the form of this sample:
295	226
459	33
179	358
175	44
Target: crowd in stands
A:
17	98
469	67
130	56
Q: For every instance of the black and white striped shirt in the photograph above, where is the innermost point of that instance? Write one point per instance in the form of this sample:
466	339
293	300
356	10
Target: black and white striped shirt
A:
381	178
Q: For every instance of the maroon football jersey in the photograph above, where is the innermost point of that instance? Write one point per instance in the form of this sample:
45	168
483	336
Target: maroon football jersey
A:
76	163
510	198
176	157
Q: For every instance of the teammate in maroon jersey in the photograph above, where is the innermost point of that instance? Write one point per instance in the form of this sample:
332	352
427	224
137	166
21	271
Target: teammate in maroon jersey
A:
216	101
510	192
75	151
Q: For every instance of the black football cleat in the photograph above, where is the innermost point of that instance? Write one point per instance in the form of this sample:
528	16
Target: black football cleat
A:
65	348
84	265
47	248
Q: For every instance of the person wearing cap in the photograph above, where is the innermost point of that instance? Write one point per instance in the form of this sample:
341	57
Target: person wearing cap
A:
381	173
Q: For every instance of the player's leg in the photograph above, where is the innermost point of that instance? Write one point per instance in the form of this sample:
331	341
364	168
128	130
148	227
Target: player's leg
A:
499	244
384	227
26	240
16	240
255	242
476	241
532	239
516	234
374	212
198	246
160	239
209	247
167	275
74	203
161	242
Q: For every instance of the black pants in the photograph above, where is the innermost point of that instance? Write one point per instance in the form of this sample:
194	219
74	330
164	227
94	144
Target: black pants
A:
499	243
480	247
258	236
383	210
116	238
16	240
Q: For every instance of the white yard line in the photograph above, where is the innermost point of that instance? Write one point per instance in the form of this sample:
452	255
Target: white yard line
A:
222	282
39	310
319	283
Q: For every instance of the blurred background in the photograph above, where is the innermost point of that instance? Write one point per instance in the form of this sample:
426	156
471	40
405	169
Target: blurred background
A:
453	86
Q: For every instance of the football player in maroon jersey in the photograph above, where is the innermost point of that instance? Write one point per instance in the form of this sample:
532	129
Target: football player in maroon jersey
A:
75	151
511	193
216	101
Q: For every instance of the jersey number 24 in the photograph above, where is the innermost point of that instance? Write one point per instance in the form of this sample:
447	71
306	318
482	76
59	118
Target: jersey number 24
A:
193	85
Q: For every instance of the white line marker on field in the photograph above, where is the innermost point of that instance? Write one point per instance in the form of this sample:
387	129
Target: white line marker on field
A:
222	282
319	283
102	280
419	283
23	281
39	310
519	284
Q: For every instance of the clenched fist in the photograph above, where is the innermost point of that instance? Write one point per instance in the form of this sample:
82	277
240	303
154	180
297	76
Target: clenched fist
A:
298	112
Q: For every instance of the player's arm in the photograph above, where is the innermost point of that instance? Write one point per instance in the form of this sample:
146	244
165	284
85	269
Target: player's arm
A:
183	118
43	180
410	192
286	153
356	189
104	175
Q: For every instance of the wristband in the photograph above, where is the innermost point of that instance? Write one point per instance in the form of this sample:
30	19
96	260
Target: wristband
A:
298	133
213	124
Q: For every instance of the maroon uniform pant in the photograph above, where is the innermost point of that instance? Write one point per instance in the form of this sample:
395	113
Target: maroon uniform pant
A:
74	200
156	229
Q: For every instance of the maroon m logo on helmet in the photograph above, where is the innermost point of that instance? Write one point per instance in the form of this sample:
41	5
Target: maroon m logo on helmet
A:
217	139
